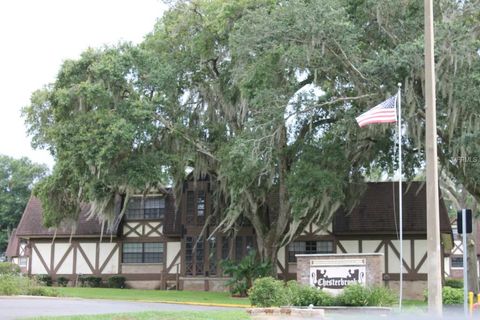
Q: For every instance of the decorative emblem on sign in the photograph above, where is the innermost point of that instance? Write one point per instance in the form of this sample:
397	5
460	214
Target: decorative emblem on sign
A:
322	280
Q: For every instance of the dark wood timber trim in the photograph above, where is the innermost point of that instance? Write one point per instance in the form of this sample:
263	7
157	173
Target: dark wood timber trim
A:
30	259
339	245
132	229
177	257
282	269
107	260
64	257
379	247
412	254
421	262
97	256
395	251
92	269
406	276
34	247
120	253
386	255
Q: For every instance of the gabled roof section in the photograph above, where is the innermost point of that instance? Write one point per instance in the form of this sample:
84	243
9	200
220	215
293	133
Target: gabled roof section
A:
31	224
378	210
13	242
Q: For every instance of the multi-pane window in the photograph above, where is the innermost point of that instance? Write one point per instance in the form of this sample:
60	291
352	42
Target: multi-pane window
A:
194	259
190	207
212	256
308	247
200	207
151	252
150	207
225	247
457	262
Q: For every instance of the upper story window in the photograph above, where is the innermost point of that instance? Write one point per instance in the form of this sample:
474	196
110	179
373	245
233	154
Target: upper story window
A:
196	209
150	207
308	247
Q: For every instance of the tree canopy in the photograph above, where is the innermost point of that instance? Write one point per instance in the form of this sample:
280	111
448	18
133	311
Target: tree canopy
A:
261	96
17	177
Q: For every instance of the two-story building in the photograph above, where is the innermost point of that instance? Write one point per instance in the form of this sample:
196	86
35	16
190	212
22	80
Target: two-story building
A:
159	244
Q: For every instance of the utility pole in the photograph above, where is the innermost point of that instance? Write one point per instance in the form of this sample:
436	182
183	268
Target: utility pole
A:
433	217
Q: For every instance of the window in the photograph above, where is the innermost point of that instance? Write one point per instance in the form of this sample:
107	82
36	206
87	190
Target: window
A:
194	260
190	207
146	208
308	247
457	262
22	262
201	207
151	252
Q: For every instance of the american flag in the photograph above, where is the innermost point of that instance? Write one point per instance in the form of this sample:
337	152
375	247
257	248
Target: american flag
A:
385	112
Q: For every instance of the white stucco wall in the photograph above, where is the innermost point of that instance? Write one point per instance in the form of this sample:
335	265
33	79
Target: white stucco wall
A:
173	248
112	264
44	250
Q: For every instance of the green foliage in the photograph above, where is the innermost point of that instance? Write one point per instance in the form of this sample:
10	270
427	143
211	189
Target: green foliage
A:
9	268
19	285
44	279
62	281
381	297
454	283
244	272
17	177
262	96
116	282
452	295
301	295
354	295
267	292
90	281
358	295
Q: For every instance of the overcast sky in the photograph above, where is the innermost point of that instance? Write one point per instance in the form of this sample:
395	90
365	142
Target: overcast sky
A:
36	36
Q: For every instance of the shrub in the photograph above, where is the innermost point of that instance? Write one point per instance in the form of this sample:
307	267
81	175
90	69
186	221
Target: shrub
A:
45	279
41	291
62	281
244	273
90	281
354	295
449	295
381	297
454	283
116	282
300	295
9	268
19	285
452	295
267	292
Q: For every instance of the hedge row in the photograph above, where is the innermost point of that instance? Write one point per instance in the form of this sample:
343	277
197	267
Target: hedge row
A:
269	292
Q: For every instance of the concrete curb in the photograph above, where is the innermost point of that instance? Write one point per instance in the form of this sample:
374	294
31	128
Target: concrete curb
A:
204	304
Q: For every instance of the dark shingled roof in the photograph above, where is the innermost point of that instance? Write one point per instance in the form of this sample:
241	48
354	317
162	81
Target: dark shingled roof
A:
376	213
12	248
31	223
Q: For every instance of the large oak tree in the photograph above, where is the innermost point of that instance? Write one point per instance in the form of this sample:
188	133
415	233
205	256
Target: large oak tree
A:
261	96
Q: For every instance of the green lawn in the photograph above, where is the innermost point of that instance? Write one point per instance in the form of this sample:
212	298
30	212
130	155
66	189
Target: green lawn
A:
154	295
155	315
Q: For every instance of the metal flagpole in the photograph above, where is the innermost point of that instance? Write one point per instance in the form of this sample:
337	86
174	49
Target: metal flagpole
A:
399	98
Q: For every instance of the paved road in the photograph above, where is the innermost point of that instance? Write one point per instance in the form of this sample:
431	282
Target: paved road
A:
15	308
